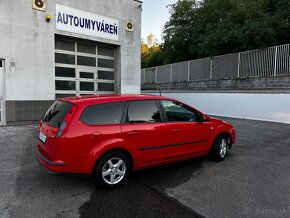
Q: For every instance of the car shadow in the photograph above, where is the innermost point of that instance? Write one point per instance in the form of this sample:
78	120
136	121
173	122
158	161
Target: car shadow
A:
143	195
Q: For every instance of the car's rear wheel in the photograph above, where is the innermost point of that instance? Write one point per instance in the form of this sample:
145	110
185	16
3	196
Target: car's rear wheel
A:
112	170
219	148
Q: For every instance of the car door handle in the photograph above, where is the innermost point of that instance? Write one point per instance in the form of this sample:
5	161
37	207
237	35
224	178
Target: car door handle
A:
176	130
132	133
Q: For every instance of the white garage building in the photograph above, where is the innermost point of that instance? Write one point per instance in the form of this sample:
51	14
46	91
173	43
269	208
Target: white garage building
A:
59	48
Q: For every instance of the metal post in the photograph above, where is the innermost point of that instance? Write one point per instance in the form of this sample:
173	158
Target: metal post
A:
143	75
156	71
3	69
171	68
210	71
276	54
239	63
188	70
288	65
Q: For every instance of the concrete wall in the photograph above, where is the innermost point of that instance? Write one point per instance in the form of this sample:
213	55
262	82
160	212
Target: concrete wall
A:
25	112
28	40
257	106
279	83
130	45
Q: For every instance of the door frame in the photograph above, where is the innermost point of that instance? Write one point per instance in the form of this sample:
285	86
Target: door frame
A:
2	98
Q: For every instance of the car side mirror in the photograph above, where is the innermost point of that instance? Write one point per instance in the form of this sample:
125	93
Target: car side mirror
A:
200	118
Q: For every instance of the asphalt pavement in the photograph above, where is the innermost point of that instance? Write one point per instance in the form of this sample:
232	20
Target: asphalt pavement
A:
253	181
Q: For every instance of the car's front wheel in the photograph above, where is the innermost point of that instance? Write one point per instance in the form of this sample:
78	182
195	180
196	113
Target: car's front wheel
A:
219	148
112	170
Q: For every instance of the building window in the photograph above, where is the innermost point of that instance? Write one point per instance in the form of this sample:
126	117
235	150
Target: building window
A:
64	45
106	51
64	95
86	75
105	63
83	68
87	61
87	86
86	48
65	72
107	75
64	58
106	87
65	85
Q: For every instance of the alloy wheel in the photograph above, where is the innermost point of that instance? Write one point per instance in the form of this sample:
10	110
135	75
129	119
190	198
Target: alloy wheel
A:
114	171
223	148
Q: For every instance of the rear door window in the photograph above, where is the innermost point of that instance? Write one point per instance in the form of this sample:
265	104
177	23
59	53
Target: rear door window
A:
109	113
143	112
56	113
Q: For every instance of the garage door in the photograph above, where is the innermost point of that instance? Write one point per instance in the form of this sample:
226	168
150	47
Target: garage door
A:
83	68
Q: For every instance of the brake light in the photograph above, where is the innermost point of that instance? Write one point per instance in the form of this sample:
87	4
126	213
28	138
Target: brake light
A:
65	121
39	125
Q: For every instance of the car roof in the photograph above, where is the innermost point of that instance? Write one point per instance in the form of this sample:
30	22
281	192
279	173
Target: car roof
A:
106	98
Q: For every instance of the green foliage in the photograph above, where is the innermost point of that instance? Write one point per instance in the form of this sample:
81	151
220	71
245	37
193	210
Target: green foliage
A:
198	29
150	53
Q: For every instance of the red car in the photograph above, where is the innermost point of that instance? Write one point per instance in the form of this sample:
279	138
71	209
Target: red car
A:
108	136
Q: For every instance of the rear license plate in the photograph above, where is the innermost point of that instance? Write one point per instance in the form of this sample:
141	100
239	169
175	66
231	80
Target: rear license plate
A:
42	137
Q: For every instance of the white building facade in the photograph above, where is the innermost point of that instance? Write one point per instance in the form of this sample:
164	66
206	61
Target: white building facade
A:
59	48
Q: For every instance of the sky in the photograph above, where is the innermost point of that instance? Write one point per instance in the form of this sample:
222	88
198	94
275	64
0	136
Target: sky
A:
154	16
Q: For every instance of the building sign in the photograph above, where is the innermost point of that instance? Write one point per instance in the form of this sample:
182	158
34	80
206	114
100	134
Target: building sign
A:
82	22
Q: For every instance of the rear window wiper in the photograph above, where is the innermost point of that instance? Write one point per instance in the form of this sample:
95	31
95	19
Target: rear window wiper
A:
45	118
50	116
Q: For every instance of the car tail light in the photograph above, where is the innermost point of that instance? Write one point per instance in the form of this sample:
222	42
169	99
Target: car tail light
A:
65	121
39	125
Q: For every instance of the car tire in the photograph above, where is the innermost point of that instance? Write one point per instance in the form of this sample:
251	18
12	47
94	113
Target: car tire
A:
112	170
219	148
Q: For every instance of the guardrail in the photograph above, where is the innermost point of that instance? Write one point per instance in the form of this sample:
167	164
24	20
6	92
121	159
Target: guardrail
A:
272	61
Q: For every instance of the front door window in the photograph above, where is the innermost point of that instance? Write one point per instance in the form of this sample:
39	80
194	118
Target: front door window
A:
177	112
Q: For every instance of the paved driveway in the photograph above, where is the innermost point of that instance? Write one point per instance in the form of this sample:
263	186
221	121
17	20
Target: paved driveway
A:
253	181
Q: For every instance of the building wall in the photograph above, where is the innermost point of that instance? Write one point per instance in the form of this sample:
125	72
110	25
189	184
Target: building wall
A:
27	45
28	39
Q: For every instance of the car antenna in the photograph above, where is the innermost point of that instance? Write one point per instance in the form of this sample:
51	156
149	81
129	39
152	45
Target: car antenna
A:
160	92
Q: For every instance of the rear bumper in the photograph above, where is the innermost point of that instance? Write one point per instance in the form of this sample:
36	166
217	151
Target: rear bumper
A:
63	165
52	163
51	166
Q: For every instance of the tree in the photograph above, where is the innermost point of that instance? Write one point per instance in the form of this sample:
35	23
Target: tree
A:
150	52
198	29
177	31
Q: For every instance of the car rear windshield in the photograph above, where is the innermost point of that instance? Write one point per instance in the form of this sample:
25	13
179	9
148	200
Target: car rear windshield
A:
56	113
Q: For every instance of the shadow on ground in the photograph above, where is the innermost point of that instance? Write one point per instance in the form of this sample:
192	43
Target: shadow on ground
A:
143	195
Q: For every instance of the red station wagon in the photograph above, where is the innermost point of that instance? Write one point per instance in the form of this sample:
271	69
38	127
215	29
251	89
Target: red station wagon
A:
108	136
